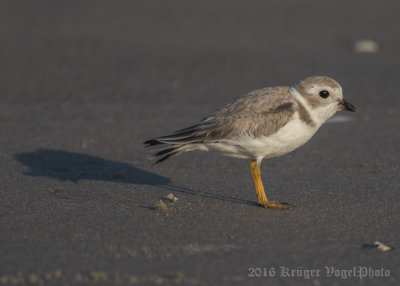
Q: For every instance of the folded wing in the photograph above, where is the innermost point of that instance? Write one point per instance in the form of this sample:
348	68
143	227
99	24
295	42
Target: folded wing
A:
258	113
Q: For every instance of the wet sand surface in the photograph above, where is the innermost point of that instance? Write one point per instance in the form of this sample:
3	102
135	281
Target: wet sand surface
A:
83	84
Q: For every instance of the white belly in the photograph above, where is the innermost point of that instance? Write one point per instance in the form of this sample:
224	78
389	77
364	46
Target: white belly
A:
291	136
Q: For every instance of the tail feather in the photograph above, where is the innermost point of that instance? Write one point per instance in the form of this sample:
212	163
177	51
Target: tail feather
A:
166	157
178	138
173	144
152	142
167	152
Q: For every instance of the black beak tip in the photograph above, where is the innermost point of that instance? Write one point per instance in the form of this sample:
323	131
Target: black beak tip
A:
348	106
351	108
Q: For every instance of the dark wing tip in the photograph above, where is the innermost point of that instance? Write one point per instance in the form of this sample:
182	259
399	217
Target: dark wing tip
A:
163	159
169	152
151	142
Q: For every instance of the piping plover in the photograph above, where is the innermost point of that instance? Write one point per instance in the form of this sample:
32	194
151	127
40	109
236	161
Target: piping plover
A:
264	123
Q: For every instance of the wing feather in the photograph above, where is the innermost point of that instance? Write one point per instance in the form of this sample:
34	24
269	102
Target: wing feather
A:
259	113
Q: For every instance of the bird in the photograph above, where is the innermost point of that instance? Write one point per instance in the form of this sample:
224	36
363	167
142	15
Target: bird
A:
261	124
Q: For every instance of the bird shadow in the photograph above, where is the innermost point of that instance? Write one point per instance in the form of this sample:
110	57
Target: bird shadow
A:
64	165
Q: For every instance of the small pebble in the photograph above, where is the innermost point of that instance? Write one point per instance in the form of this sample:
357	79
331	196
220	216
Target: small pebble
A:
161	206
366	46
171	198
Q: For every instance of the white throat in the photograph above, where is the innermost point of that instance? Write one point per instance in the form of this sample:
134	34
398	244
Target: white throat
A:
318	115
298	96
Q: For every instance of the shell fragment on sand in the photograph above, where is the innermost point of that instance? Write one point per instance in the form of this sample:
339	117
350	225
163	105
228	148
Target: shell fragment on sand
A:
382	246
161	206
377	245
171	198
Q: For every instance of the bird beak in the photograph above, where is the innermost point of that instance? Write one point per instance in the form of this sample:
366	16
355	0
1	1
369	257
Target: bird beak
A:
345	105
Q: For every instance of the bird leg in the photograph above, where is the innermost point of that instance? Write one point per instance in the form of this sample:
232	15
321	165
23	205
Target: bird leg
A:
262	198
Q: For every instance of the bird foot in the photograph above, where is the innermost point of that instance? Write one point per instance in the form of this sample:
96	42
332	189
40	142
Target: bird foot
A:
275	205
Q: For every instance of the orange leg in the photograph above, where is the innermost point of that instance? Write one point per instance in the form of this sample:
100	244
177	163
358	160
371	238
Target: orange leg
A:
262	198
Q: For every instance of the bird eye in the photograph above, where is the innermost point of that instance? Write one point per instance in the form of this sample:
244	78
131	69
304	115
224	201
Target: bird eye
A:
324	93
